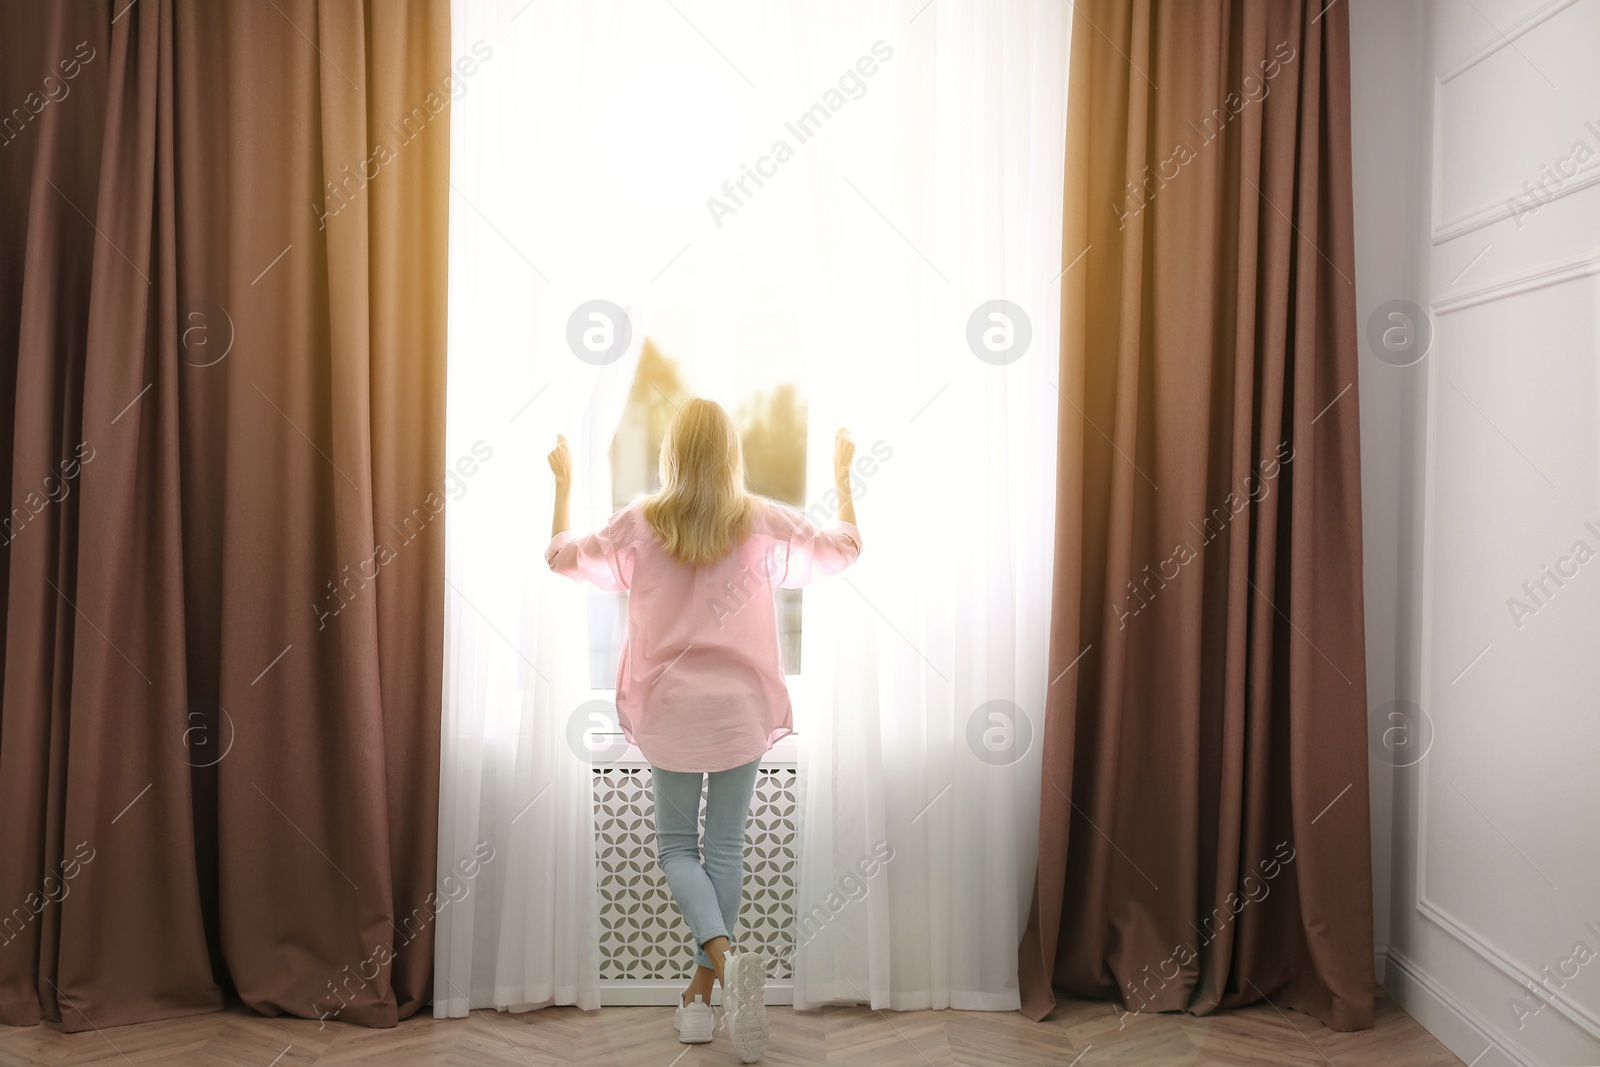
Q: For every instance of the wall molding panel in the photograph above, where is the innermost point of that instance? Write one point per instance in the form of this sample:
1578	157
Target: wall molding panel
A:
1487	453
1526	282
1499	208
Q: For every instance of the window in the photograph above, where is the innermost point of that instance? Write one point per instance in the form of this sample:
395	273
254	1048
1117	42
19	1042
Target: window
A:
767	405
660	199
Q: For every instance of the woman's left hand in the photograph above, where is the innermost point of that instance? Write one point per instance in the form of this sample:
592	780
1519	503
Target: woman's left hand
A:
560	459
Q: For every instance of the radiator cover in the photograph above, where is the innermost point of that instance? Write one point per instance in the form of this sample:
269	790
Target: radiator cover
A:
642	936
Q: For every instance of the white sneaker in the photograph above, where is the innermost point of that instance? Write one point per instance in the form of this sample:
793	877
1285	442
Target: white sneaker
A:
694	1022
744	1007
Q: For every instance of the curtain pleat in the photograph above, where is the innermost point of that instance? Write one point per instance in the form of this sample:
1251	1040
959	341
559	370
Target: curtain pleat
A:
223	324
1204	824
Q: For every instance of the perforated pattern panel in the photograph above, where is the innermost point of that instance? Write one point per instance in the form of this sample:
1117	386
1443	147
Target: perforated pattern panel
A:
642	936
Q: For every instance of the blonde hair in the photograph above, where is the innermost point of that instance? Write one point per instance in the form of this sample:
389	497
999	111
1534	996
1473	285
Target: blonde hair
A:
702	510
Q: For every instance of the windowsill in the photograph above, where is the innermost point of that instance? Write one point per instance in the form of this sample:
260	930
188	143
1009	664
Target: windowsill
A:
785	752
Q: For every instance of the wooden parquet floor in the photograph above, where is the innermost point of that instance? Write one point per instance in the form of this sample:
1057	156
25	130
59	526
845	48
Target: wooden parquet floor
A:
1080	1034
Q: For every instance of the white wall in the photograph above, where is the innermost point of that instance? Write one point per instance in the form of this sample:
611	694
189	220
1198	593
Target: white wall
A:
1481	466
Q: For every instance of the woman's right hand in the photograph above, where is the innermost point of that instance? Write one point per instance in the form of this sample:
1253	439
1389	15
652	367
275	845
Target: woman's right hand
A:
560	460
844	453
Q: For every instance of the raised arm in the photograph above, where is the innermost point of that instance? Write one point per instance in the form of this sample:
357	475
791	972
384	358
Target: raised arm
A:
810	552
590	558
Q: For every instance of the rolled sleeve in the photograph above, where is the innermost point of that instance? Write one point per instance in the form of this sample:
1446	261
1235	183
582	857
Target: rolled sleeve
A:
589	558
815	553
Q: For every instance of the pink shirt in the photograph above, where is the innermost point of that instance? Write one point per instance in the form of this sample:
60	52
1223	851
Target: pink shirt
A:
699	682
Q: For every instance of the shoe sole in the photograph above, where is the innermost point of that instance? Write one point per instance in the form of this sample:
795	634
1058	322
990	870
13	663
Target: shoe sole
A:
746	974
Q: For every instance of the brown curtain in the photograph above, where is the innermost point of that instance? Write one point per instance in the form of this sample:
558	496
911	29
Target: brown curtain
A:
222	394
1204	836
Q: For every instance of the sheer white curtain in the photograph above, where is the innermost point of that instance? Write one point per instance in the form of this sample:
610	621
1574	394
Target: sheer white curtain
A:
925	667
583	153
523	931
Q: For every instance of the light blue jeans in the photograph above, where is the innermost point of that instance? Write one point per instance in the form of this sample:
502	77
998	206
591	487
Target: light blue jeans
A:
707	893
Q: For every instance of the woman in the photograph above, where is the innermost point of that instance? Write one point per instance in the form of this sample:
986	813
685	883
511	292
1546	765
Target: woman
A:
700	687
